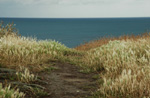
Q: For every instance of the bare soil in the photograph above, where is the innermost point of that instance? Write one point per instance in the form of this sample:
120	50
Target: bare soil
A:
67	82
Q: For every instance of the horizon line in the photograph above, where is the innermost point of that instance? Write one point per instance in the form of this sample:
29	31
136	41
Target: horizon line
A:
73	17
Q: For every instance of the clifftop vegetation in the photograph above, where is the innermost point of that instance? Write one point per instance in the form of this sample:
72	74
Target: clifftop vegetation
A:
122	63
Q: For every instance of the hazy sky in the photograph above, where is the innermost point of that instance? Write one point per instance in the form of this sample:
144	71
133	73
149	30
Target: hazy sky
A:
74	8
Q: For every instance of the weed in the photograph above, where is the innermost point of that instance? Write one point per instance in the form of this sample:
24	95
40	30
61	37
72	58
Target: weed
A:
7	92
24	75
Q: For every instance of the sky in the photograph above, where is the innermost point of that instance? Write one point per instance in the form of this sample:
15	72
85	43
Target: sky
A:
74	8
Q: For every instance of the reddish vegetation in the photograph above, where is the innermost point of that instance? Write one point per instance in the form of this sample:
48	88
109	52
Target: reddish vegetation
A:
105	40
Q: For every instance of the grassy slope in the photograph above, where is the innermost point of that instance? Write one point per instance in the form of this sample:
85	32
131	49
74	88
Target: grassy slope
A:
27	54
126	65
105	40
21	51
123	65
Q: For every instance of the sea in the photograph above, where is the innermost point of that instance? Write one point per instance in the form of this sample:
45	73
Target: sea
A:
76	31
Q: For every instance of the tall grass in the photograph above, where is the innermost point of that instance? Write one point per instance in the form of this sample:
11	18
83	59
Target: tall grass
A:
125	61
8	92
126	65
104	40
24	75
18	51
23	51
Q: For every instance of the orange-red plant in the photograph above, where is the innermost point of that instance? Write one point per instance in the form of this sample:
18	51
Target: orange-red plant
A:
105	40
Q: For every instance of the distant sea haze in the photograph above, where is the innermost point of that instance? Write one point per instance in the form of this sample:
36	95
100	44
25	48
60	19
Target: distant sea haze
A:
72	32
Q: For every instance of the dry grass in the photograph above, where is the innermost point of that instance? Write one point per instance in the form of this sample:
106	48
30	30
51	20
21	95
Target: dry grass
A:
126	65
8	29
125	60
105	40
24	75
16	51
8	92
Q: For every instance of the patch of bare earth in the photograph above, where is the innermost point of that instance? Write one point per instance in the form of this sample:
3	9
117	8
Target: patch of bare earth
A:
68	82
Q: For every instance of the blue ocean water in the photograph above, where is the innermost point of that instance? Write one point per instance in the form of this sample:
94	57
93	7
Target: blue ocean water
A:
73	32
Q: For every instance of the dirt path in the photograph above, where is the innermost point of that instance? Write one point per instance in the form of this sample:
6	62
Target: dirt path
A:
68	82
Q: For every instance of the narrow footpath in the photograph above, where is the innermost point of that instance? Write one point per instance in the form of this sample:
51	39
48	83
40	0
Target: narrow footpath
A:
67	82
